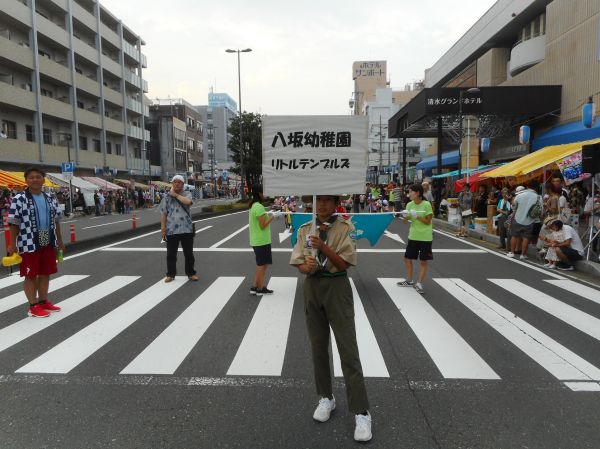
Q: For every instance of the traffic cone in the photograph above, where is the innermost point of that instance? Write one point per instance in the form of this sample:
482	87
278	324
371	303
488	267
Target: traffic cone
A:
133	222
73	236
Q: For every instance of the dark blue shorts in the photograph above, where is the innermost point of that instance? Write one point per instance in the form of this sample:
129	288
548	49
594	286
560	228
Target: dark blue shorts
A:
416	249
263	255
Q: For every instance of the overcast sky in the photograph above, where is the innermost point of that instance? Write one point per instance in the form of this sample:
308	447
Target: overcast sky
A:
303	51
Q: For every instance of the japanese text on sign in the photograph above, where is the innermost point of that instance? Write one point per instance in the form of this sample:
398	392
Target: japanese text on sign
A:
324	139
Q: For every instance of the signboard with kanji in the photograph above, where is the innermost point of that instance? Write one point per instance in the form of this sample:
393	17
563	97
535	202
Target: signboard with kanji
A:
316	154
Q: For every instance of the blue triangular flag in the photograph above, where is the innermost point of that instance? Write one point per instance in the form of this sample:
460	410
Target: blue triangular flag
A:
367	226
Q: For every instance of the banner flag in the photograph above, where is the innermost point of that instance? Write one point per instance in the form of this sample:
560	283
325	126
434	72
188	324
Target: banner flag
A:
366	226
571	168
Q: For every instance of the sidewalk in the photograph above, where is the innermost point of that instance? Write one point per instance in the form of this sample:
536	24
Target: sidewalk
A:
91	230
588	267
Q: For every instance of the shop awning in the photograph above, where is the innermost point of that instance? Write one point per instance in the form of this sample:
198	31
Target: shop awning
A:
11	181
102	183
76	181
127	184
571	132
161	185
473	180
21	175
539	159
452	173
448	158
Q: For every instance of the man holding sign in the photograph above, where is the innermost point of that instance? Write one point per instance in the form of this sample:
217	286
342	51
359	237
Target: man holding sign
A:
324	256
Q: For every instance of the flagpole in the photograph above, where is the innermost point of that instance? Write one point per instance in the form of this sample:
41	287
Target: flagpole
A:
314	223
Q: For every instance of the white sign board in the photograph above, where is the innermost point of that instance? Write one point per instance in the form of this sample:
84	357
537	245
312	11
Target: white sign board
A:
315	154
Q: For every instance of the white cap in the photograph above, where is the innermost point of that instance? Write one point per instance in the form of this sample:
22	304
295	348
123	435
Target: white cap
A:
178	178
519	189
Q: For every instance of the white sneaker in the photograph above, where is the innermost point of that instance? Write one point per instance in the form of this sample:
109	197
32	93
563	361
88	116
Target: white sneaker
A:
523	257
324	409
510	255
546	265
362	431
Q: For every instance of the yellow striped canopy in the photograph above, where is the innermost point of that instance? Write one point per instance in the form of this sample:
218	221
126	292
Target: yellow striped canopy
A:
537	160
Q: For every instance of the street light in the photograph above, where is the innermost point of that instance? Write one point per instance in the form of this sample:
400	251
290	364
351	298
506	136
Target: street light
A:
472	90
246	50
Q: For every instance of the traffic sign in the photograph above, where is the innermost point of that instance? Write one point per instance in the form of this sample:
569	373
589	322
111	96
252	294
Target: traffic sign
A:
67	167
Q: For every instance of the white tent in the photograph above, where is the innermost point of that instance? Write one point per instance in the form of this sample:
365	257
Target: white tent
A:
86	188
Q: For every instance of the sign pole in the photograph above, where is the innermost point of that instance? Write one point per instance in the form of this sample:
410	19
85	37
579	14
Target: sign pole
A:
314	223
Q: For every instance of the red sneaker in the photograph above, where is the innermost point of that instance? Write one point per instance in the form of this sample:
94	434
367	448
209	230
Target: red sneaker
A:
47	305
37	311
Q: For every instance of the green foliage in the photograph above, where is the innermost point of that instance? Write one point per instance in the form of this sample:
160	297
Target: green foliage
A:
252	139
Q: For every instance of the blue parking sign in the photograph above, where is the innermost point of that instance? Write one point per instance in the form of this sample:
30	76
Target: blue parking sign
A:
67	167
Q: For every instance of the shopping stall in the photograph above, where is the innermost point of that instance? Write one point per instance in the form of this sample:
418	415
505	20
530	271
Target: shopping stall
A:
85	188
102	183
21	176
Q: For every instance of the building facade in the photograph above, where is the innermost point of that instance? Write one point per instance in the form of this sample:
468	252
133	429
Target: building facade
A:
176	139
527	43
71	81
219	113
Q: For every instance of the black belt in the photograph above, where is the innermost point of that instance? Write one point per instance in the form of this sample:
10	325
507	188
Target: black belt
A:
327	274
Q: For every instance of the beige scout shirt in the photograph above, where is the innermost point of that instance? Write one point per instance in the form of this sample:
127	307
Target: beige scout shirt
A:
338	239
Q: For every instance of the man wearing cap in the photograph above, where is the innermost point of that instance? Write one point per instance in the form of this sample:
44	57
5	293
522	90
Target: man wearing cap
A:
328	303
521	229
176	226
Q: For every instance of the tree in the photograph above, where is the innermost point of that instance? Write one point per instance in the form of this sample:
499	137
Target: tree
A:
252	138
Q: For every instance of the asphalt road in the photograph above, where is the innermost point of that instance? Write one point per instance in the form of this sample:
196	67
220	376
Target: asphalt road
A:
497	353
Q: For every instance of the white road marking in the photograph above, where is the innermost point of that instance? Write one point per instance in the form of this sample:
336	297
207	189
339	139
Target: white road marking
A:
27	327
19	299
262	350
569	314
395	237
67	355
371	358
579	289
111	223
452	355
284	235
583	386
171	347
289	250
10	280
101	248
203	229
548	353
548	273
220	242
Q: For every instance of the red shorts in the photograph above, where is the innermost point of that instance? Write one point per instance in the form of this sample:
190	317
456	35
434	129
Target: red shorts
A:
42	262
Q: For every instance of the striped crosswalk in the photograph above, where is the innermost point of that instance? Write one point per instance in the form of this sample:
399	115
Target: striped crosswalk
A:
264	349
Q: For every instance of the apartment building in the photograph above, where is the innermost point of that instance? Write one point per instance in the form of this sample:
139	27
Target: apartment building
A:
176	139
71	81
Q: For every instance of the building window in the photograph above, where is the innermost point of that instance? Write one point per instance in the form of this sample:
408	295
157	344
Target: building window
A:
190	144
29	133
83	143
47	136
80	105
47	93
9	129
118	151
97	147
108	148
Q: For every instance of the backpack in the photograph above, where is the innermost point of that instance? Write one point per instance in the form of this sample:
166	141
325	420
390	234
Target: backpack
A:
535	211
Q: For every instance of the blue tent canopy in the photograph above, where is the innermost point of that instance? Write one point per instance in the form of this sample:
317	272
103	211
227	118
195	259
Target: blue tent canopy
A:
569	133
449	158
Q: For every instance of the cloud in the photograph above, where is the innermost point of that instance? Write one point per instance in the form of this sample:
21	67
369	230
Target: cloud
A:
302	55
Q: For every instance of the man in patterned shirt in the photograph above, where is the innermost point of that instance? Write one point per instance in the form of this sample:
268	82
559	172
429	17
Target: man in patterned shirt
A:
35	233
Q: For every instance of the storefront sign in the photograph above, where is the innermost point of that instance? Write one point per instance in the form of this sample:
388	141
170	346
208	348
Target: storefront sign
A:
314	155
571	168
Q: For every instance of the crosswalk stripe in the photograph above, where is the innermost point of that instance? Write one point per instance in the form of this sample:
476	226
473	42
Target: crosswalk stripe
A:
551	355
262	350
27	327
19	299
579	289
229	237
75	349
449	351
10	280
170	348
371	358
569	314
